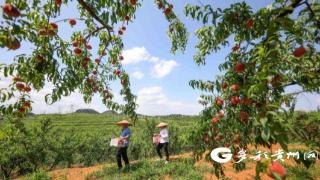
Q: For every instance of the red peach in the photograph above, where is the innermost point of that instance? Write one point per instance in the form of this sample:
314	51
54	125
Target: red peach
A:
219	101
10	10
239	68
72	22
299	52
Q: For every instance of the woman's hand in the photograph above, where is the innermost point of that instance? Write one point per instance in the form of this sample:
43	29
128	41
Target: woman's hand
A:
121	140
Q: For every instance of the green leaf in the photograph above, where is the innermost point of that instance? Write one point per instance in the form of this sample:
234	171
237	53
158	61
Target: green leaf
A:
263	121
265	134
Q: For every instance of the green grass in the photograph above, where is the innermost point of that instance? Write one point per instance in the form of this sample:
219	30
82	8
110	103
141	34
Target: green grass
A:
38	175
102	122
182	168
147	169
299	172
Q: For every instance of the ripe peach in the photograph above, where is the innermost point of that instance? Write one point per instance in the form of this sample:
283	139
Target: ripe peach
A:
88	46
27	89
13	44
214	120
22	110
58	2
299	52
224	85
117	72
167	11
219	101
97	61
235	88
133	2
160	5
244	116
235	48
239	68
10	10
20	86
77	51
234	100
72	22
87	59
250	23
27	104
53	26
278	169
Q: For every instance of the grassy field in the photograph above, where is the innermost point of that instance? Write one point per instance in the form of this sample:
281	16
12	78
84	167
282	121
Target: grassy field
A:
103	122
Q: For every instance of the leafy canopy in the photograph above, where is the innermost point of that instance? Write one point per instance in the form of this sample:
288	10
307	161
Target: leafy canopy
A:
275	48
71	64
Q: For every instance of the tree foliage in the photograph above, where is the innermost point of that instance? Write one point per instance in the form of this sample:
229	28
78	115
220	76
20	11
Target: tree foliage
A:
275	48
70	64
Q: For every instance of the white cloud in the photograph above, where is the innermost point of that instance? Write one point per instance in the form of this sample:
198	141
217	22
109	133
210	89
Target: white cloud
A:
163	68
135	55
154	59
138	74
153	101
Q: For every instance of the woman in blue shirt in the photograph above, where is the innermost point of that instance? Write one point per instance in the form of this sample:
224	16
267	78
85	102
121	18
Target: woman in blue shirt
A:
124	140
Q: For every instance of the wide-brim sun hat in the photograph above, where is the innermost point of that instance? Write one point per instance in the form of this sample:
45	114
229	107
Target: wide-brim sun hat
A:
162	124
123	122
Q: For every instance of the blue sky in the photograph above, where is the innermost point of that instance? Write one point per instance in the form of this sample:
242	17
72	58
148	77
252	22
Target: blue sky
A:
159	78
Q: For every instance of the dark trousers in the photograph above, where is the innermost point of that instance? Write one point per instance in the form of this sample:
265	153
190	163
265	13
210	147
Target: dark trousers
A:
122	153
166	147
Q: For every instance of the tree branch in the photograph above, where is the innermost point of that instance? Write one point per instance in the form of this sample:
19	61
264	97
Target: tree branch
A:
290	8
312	13
94	15
95	31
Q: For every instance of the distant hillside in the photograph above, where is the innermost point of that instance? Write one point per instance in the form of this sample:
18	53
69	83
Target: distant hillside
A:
89	111
174	115
31	114
110	112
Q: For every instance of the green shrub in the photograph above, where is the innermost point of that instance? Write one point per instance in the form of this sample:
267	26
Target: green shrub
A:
305	128
38	175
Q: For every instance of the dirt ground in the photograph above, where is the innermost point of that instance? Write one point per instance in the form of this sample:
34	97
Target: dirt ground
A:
79	173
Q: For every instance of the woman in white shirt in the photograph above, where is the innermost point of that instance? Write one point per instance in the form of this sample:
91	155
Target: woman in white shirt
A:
164	140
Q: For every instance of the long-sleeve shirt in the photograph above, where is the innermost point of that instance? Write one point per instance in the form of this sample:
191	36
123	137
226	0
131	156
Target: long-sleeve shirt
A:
164	135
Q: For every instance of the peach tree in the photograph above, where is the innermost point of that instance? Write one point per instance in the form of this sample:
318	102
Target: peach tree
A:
274	48
71	64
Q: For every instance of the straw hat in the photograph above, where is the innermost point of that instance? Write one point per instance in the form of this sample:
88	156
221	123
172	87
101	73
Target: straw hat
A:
162	124
123	122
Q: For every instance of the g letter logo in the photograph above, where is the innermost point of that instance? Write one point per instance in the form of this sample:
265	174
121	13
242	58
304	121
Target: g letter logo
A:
227	156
